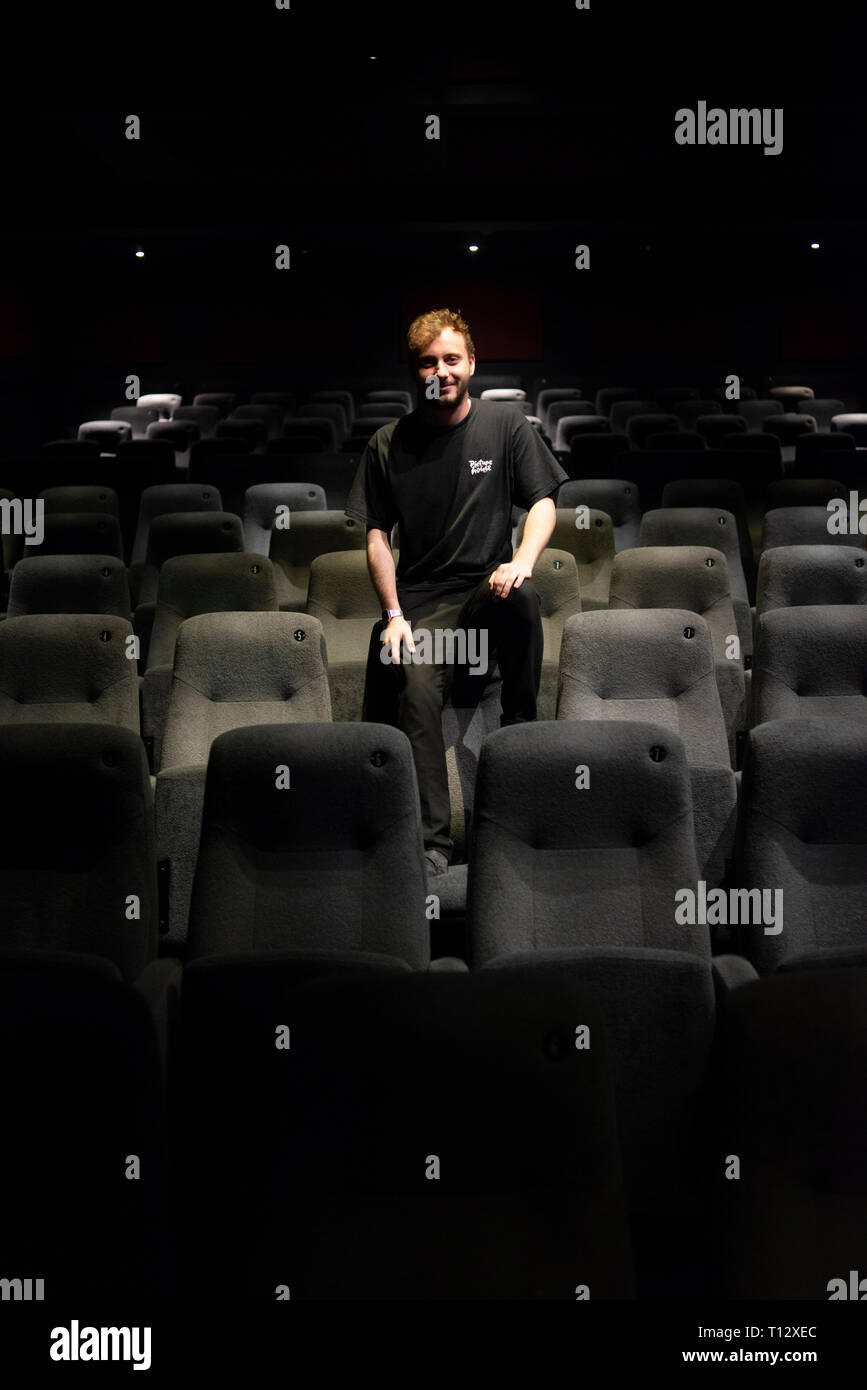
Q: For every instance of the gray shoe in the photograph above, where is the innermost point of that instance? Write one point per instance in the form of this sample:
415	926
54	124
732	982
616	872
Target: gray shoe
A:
436	861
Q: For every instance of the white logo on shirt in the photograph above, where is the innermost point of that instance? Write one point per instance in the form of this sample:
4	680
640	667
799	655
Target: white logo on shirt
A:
481	465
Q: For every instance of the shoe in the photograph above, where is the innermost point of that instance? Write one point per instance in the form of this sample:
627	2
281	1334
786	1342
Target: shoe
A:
436	861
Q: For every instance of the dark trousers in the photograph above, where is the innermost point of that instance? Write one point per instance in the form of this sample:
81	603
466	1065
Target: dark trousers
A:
411	695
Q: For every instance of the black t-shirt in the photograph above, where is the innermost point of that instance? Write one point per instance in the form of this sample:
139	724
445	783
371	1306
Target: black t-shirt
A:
451	490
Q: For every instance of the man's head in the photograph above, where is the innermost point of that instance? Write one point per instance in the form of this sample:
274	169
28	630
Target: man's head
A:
440	345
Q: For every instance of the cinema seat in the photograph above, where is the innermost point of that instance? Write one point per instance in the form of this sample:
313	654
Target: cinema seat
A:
343	398
803	832
811	662
342	598
592	546
713	527
792	575
717	429
188	585
756	412
312	534
803	526
83	1164
595	455
555	579
266	502
79	533
792	1114
302	825
803	492
168	499
694	578
332	472
231	670
726	493
616	496
557	864
658	1012
69	584
823	409
416	1137
80	499
183	533
68	668
639	428
622	411
658	666
77	867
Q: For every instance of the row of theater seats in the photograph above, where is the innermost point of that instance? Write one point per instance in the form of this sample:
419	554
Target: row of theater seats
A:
786	433
641	422
753	460
126	490
644	658
334	417
698	578
87	519
59	468
539	398
790	412
317	563
333	420
311	1107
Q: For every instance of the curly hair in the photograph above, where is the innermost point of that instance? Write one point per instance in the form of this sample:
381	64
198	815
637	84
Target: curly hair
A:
428	326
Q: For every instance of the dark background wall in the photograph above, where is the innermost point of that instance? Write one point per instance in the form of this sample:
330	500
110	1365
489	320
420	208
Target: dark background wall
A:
552	136
70	337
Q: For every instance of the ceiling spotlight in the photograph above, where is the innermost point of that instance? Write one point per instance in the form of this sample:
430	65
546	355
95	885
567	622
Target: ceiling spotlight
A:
140	254
472	247
814	246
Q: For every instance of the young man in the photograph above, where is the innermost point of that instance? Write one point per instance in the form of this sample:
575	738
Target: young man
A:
449	474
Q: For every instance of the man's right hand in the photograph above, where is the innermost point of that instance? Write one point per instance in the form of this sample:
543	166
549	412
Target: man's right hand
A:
398	630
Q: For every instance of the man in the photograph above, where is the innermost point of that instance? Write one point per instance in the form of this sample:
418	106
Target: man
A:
449	474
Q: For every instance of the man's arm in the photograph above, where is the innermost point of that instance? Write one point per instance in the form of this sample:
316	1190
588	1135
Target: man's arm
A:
380	565
537	533
538	528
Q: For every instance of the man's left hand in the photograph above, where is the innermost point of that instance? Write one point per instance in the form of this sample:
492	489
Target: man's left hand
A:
509	576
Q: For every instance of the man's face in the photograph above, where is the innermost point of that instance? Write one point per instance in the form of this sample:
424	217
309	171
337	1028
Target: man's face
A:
446	359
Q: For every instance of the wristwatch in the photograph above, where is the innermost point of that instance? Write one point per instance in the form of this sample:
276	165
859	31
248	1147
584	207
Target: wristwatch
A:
389	613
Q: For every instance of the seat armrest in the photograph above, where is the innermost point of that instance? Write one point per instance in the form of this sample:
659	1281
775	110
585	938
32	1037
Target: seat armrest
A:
732	971
159	984
448	965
